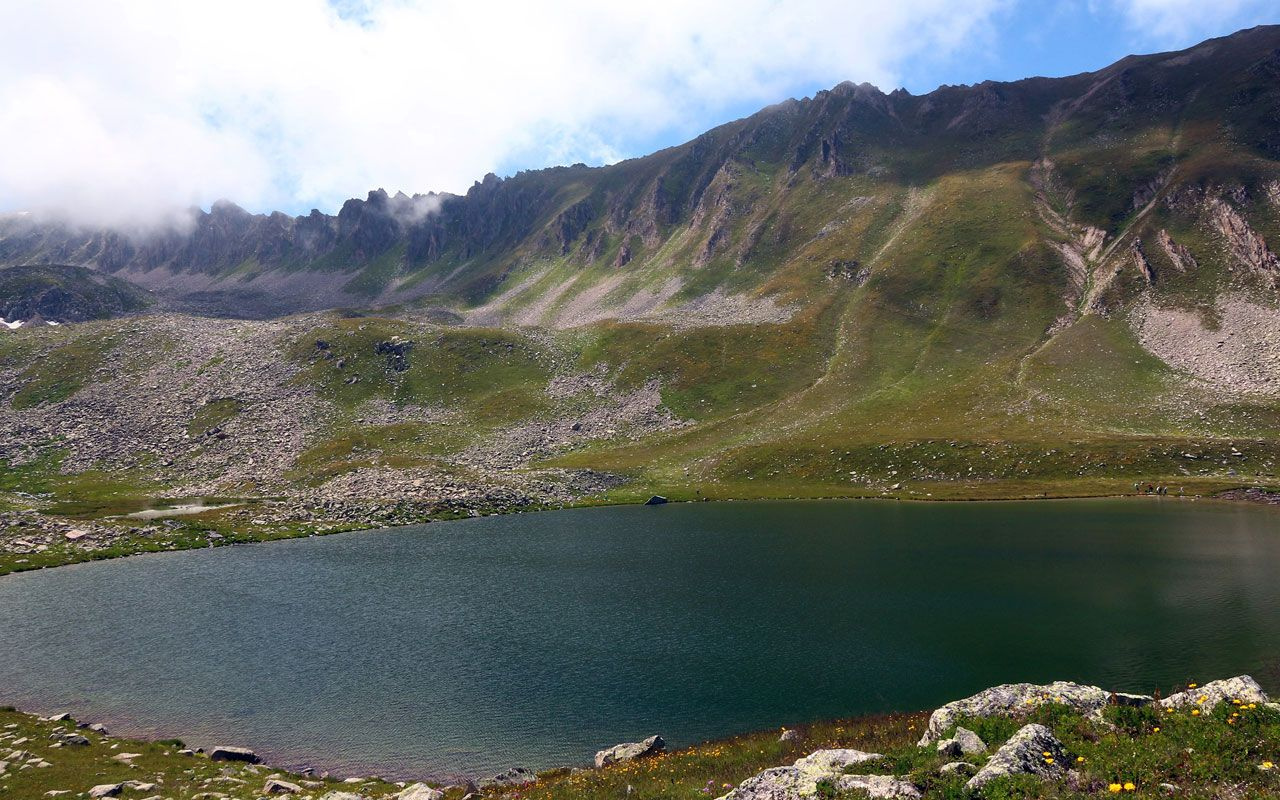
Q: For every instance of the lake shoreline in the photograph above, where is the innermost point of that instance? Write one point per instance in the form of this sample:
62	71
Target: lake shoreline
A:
66	554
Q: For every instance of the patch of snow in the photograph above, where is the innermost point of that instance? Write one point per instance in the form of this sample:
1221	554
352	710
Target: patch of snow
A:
10	325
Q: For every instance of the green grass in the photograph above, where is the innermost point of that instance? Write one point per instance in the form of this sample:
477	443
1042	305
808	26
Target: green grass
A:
212	415
78	768
61	372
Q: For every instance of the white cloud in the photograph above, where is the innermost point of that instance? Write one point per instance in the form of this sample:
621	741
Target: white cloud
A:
119	111
1178	23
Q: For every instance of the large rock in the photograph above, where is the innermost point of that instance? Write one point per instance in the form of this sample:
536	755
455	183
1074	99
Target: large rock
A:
224	753
420	791
964	743
1011	697
800	780
1025	754
1242	688
630	751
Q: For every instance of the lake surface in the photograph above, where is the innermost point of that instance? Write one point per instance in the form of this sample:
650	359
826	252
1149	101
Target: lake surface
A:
467	647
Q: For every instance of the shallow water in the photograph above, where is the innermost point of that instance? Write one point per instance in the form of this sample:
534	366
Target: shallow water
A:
466	647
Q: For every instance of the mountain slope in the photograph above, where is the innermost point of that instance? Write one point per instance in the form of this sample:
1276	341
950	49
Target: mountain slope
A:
1061	286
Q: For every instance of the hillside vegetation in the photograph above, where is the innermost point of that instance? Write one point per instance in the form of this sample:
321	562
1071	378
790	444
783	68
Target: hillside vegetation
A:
1046	287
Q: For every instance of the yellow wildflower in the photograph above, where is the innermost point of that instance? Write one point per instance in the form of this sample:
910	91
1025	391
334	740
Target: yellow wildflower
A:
1115	788
1267	765
1079	759
1192	685
1195	712
1129	787
1156	729
1046	754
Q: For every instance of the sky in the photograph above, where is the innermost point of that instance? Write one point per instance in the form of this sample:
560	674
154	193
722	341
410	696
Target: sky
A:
132	112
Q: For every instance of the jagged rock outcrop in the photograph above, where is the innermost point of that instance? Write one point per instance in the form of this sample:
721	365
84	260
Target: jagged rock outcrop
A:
1246	245
1015	697
630	751
1033	750
1242	688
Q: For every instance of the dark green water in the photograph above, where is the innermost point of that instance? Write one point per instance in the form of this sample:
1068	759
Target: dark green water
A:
466	647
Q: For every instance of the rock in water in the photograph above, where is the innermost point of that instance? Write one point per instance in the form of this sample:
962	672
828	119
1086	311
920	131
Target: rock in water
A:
964	743
223	753
420	791
1024	754
1012	697
801	779
630	751
656	500
1242	688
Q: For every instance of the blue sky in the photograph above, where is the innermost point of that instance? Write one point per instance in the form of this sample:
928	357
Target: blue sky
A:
131	112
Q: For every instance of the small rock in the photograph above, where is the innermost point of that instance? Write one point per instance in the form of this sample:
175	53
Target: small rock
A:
630	751
959	768
801	779
343	796
964	743
516	776
106	790
277	786
656	500
789	735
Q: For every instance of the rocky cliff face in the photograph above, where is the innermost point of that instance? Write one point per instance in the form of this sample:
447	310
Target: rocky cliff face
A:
743	203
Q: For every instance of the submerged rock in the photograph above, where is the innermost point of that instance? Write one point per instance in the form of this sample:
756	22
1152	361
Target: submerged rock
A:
630	751
801	779
1242	688
1033	750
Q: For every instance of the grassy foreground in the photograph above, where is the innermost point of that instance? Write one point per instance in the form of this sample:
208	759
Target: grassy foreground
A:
1227	752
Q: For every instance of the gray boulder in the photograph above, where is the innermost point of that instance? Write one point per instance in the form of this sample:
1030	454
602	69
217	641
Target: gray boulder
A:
1025	754
343	796
420	791
277	786
1013	697
959	768
224	753
107	790
1242	688
630	751
800	780
790	735
963	743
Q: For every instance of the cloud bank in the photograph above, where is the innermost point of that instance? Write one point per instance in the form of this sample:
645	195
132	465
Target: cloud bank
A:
120	112
117	111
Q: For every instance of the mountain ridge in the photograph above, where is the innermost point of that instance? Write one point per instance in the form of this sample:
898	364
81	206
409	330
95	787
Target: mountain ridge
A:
673	211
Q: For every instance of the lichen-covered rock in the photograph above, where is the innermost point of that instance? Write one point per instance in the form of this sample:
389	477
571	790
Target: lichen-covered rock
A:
630	751
790	735
800	780
516	776
958	767
1012	697
420	791
1242	688
1033	750
963	743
